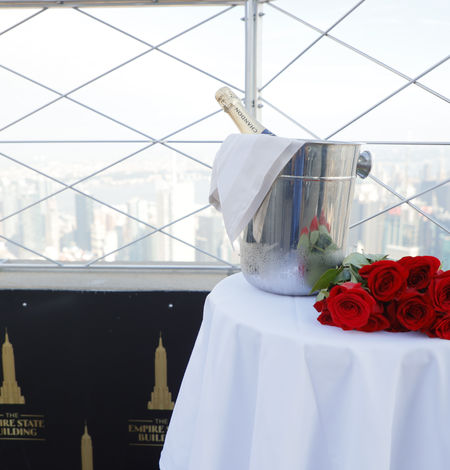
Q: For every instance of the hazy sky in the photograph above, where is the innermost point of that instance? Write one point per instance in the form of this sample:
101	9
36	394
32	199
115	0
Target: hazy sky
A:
323	90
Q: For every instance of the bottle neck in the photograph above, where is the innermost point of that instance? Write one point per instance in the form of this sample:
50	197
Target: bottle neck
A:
245	123
232	105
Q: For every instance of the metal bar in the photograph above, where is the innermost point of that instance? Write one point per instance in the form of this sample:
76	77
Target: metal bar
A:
390	96
393	142
7	264
170	141
358	51
252	56
113	3
405	200
312	44
135	141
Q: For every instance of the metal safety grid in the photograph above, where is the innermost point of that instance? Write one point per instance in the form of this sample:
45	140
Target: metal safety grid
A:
254	97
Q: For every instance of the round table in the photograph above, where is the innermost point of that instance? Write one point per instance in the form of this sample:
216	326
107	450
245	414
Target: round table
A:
268	387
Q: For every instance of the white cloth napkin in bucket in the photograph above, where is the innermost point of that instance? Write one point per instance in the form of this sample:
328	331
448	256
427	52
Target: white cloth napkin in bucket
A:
245	167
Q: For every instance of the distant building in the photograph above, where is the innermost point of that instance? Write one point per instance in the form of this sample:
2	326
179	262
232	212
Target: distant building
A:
84	217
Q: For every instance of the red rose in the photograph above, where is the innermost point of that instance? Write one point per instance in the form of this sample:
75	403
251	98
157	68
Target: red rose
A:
440	291
421	270
415	311
377	320
391	313
350	305
385	278
441	328
325	315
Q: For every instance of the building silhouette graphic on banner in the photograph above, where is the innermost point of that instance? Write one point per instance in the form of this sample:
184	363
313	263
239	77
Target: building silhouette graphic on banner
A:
87	462
9	392
161	398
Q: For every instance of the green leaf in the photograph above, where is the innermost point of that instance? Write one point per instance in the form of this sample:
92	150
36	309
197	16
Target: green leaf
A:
357	259
343	276
323	294
331	247
314	236
373	258
324	229
354	275
326	279
303	241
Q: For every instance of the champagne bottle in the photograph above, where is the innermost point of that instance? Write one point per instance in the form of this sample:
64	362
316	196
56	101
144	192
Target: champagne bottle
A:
232	105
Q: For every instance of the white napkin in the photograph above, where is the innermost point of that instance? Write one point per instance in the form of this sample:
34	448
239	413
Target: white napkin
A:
244	169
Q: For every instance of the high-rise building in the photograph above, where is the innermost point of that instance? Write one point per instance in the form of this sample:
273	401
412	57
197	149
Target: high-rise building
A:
84	218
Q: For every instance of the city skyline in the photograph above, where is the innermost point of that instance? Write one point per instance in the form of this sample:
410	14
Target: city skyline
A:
75	228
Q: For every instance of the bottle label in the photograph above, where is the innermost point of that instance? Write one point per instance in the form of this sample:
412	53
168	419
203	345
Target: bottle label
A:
249	124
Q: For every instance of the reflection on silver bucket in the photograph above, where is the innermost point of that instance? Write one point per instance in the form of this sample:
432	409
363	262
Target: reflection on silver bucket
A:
301	227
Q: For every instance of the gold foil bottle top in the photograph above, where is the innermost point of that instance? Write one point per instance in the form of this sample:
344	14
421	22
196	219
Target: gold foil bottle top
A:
233	106
225	97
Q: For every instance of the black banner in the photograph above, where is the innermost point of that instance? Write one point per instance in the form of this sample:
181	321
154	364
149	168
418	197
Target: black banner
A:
88	379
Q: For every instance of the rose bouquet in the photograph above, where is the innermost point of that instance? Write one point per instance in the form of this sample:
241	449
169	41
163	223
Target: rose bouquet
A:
372	293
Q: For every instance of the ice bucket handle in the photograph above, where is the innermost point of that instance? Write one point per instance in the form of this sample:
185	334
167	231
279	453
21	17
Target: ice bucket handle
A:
364	164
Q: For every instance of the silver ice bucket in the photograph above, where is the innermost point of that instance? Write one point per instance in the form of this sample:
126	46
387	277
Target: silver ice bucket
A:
300	229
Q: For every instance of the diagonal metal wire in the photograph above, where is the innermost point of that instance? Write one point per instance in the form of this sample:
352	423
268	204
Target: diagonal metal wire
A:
106	116
89	82
406	85
31	250
403	201
289	118
358	51
136	219
103	169
160	229
157	47
72	186
82	180
408	201
312	44
91	175
22	21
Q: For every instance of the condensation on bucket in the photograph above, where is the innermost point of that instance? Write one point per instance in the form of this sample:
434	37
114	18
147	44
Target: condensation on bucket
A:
278	271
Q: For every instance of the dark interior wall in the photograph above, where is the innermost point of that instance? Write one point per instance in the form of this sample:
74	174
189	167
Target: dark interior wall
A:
89	358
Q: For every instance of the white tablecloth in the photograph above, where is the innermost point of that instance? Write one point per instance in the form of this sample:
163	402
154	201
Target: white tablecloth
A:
270	388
